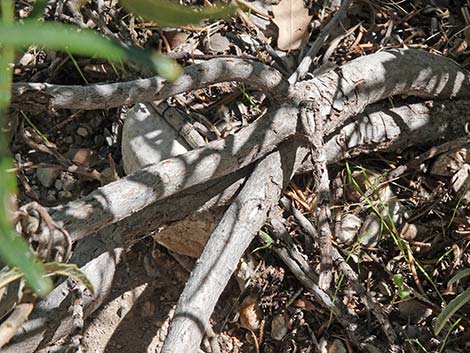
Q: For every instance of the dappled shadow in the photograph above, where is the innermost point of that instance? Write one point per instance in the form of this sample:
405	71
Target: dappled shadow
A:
106	205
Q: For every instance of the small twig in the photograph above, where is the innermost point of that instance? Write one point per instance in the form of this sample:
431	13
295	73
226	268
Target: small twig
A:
302	270
354	280
307	60
11	325
431	153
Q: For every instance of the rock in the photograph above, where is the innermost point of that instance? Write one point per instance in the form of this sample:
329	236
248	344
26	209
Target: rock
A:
188	236
350	225
47	176
278	327
69	183
219	44
147	139
96	122
108	175
108	137
78	140
51	196
65	194
68	140
58	184
99	140
82	131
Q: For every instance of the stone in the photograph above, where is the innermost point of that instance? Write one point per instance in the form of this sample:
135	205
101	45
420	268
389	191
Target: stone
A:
188	236
51	196
82	131
148	139
65	194
47	176
99	140
69	183
58	184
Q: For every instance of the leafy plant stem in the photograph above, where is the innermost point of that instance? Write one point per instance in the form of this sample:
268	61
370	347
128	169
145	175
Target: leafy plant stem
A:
13	250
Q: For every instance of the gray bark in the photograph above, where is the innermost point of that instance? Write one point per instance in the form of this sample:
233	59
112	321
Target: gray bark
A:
132	206
338	93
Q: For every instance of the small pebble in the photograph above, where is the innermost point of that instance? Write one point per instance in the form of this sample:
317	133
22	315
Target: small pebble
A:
47	176
96	122
78	140
58	184
68	140
99	140
82	131
108	174
51	196
108	137
69	183
65	194
70	129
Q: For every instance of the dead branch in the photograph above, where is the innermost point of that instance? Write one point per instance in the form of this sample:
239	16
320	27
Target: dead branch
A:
307	60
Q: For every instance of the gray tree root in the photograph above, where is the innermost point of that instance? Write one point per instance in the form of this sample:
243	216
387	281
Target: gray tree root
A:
244	217
341	94
378	129
40	96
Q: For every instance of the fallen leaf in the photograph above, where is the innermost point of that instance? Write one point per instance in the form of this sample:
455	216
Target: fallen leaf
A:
250	315
292	19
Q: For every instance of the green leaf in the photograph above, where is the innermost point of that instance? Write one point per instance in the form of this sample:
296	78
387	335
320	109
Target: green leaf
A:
266	238
398	280
169	13
13	249
450	309
458	276
59	36
38	9
69	270
404	294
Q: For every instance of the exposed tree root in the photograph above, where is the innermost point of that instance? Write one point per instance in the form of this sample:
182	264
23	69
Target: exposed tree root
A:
133	204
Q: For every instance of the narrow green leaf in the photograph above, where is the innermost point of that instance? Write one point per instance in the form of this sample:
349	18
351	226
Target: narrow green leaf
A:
458	276
450	309
13	249
38	9
59	36
169	13
69	270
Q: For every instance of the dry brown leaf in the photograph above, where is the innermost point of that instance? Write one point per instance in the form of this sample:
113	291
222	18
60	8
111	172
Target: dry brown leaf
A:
292	19
250	315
